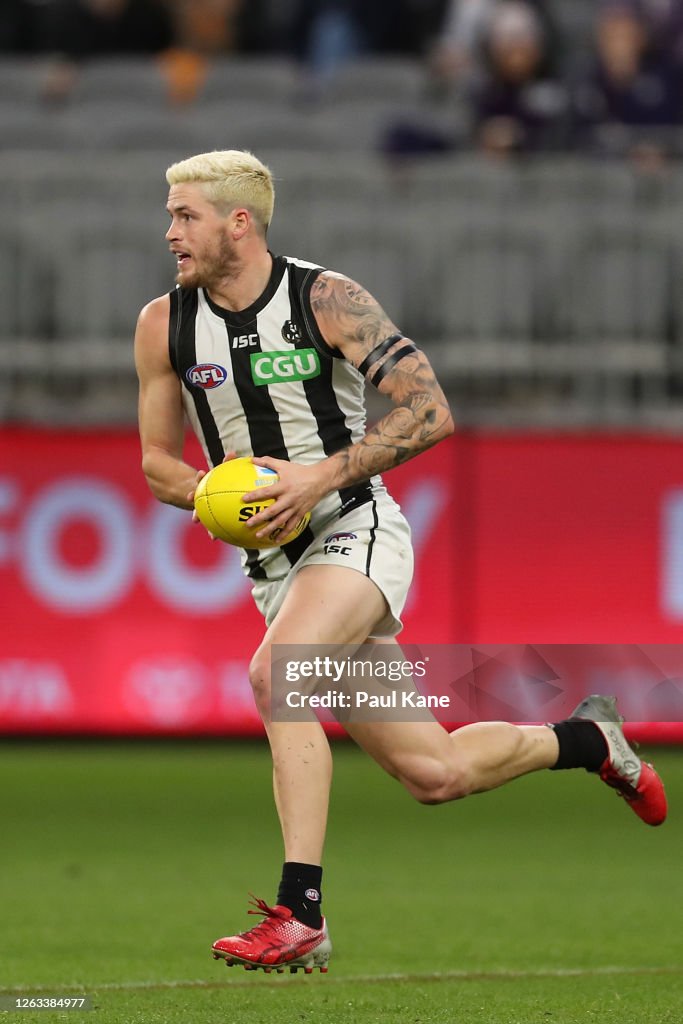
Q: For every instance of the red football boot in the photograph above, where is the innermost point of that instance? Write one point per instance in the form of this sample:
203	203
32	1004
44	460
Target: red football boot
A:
279	941
635	780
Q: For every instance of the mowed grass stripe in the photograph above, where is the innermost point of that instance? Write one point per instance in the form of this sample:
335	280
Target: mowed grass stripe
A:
366	979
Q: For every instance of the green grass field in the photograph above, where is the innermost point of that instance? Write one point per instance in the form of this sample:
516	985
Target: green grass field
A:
545	902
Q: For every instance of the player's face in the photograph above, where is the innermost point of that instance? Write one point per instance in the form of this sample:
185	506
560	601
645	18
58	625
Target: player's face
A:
199	237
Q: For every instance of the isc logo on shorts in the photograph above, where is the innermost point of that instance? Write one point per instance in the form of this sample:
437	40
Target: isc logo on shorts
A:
335	544
206	375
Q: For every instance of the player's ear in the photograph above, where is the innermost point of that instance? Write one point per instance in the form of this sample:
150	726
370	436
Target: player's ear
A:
240	219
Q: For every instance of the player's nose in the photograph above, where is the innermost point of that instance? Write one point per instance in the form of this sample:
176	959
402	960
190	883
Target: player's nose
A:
172	232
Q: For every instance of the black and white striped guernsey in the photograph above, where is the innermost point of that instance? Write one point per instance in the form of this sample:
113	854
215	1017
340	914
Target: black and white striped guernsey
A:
263	381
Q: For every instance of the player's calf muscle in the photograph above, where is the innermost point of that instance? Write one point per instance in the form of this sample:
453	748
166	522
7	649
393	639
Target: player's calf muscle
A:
433	782
431	778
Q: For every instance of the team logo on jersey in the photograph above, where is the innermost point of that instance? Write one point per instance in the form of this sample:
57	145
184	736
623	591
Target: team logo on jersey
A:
335	544
291	332
206	375
284	367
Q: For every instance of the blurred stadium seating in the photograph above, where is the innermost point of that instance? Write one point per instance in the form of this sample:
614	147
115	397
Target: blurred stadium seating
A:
545	290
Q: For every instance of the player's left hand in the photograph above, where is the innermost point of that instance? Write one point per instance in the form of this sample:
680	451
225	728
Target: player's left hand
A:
297	491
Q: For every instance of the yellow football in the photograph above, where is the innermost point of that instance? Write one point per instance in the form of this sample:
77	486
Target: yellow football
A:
219	506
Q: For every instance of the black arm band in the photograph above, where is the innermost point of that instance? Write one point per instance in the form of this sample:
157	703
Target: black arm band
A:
390	363
378	352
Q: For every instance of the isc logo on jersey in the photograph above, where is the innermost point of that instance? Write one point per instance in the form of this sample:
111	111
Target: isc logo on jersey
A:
244	340
207	375
284	367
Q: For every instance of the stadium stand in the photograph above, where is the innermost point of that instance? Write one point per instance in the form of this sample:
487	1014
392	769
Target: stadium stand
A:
253	79
495	282
134	79
525	278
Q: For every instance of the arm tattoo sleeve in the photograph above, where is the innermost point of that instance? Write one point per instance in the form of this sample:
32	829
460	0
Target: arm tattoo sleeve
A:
354	322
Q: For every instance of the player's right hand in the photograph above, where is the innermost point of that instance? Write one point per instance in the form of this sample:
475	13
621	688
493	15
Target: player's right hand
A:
202	473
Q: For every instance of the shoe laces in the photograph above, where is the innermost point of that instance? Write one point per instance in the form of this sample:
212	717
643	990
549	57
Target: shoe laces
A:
273	917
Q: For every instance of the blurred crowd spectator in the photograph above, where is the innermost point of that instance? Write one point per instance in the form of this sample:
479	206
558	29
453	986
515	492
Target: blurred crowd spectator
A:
632	90
524	83
460	46
618	91
518	100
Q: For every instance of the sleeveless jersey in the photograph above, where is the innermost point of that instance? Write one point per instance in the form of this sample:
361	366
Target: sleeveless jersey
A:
263	381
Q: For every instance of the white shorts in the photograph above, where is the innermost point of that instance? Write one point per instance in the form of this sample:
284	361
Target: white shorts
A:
373	539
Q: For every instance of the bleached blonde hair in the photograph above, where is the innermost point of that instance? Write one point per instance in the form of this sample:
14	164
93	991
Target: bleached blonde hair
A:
231	177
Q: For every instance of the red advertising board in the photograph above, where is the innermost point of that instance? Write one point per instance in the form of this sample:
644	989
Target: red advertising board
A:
119	614
574	540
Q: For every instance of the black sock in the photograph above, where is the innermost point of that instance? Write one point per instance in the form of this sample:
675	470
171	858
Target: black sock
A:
582	745
300	891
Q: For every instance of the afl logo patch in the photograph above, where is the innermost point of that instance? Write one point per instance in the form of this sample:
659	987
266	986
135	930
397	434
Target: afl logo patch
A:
290	332
206	375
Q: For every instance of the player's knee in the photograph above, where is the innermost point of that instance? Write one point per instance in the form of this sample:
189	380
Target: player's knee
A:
434	782
259	678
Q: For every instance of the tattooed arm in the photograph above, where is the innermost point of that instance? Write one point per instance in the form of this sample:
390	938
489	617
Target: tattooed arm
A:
351	320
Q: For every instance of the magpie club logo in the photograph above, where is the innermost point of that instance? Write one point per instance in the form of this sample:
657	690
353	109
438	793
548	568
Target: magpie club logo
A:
291	332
